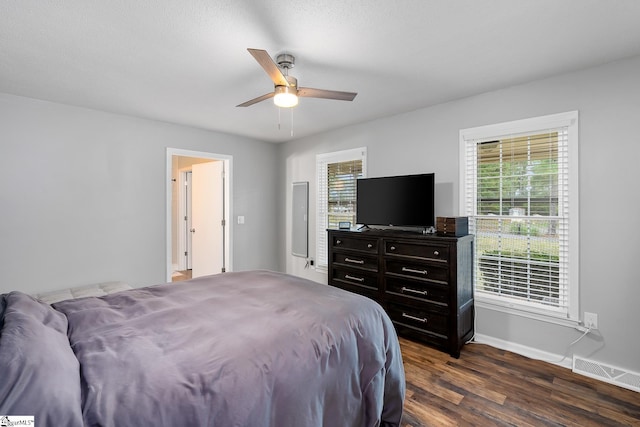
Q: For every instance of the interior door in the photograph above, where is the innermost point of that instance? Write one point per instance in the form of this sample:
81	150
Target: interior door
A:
207	213
188	221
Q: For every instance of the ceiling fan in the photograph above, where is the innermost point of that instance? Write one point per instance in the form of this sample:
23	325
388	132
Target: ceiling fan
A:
286	90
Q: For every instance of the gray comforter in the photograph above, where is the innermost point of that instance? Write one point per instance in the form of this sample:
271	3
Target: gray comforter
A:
235	349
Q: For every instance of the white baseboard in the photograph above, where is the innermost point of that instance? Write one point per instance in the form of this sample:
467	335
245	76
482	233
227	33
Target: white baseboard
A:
523	350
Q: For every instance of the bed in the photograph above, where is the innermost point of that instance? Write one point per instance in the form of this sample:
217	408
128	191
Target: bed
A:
252	348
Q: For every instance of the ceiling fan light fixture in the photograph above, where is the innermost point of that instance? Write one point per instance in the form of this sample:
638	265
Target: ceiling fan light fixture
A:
285	97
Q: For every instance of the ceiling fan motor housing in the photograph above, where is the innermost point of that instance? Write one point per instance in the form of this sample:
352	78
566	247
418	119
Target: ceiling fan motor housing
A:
286	61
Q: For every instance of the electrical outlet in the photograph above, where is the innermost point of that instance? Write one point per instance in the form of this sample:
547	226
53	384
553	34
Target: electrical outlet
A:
591	320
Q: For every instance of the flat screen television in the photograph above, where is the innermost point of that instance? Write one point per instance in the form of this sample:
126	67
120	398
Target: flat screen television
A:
403	201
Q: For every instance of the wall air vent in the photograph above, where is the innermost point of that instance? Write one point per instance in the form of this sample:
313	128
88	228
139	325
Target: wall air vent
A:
609	374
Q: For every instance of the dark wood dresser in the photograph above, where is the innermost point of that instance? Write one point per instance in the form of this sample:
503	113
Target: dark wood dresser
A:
424	282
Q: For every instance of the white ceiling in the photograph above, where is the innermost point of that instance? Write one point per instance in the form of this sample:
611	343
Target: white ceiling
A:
185	61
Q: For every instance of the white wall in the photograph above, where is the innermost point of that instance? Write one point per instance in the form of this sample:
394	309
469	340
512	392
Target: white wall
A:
82	195
426	140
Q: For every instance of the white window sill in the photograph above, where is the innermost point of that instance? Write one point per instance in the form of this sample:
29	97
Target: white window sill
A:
525	311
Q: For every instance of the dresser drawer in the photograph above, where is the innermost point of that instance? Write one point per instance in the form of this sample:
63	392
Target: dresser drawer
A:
433	273
419	318
354	277
356	260
354	243
417	250
421	291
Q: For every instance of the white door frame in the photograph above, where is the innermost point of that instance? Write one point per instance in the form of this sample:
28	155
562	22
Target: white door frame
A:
228	209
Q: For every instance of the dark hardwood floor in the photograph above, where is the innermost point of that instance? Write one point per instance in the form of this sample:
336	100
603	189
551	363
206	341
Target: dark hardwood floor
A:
491	387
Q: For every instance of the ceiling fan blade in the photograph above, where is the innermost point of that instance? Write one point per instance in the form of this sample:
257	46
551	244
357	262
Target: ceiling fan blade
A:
310	92
269	66
256	100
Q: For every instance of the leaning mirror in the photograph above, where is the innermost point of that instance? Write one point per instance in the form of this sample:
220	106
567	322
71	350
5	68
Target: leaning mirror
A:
299	229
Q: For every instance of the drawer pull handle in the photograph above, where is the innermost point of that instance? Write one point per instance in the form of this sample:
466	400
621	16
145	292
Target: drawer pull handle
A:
415	291
357	279
392	248
354	261
338	242
436	253
417	319
412	270
369	246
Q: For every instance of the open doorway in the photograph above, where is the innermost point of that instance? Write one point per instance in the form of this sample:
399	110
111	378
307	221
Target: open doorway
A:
198	209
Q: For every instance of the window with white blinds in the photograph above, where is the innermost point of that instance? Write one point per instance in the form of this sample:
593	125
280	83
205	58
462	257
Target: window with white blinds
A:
520	192
336	196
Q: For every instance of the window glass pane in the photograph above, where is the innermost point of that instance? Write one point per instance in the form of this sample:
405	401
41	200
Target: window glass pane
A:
516	228
519	258
519	176
341	179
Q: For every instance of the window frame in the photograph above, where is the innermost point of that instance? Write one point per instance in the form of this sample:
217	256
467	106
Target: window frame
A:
322	162
476	135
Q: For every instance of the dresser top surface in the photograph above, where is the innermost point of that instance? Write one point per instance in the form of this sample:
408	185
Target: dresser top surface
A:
399	234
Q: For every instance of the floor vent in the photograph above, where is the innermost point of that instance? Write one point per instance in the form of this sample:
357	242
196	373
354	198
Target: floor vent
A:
606	373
